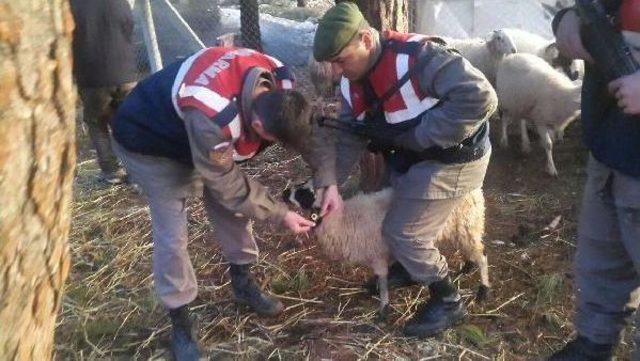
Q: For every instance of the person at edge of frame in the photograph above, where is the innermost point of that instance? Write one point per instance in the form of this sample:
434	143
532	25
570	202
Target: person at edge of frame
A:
607	261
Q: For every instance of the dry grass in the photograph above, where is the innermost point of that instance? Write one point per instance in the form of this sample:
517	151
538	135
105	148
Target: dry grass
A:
110	311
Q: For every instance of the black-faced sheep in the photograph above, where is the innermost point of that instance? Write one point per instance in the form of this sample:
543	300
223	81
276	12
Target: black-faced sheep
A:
355	234
530	89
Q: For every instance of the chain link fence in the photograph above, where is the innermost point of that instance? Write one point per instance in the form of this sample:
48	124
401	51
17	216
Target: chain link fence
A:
169	30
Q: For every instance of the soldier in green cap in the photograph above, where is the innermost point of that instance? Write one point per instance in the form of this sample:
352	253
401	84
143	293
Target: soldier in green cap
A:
441	104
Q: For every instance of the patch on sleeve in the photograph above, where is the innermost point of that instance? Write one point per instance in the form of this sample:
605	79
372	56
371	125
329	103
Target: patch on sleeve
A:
222	155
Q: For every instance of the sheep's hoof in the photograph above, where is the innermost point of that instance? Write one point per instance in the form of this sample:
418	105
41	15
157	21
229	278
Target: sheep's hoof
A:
468	267
483	293
552	172
504	143
526	148
383	314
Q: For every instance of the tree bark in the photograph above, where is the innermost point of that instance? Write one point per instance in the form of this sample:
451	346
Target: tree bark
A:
250	24
385	14
37	162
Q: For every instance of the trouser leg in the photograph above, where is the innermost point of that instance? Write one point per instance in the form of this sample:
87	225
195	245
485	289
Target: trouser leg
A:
627	195
629	220
410	228
232	232
607	261
97	117
175	280
166	185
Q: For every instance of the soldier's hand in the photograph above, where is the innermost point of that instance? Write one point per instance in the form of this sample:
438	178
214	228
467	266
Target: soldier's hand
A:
627	91
331	201
297	223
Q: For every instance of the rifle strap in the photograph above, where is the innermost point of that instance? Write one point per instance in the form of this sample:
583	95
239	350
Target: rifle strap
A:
375	103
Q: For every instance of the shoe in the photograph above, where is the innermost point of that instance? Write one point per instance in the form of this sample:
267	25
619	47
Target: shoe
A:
582	349
248	293
184	339
398	277
443	311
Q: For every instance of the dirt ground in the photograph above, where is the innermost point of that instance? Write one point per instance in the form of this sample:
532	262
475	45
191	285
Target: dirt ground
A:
110	311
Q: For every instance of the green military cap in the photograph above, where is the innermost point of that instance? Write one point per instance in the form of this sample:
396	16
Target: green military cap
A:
335	29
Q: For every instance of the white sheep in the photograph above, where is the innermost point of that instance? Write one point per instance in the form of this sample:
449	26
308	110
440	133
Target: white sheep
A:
482	54
530	43
355	235
530	89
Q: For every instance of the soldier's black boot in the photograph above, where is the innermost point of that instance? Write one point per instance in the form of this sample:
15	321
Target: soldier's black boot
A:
184	339
248	293
398	277
443	311
582	349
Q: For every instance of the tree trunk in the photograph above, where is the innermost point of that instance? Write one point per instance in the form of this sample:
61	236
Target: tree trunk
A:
37	162
385	14
250	24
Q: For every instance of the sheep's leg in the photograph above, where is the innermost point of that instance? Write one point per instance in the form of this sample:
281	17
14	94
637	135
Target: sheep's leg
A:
383	285
480	258
524	135
468	267
504	139
547	143
560	135
381	270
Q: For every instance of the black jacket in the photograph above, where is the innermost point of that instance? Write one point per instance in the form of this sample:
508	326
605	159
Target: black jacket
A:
612	137
103	50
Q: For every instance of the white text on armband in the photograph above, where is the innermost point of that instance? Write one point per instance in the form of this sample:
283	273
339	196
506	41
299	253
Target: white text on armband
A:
221	64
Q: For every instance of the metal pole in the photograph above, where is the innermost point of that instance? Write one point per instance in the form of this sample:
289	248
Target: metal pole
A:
186	26
150	39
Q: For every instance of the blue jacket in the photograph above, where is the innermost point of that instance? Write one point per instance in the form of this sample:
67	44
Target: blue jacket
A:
147	123
103	50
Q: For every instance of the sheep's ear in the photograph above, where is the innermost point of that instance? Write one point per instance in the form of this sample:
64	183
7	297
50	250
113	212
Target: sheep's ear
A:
492	35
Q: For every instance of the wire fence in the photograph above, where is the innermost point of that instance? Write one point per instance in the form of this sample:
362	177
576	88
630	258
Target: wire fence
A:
169	30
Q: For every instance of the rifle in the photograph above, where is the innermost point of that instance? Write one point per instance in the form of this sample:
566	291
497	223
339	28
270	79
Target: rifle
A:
609	50
380	134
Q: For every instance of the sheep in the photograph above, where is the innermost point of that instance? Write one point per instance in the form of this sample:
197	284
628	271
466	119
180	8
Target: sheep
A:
529	88
526	42
355	235
482	54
